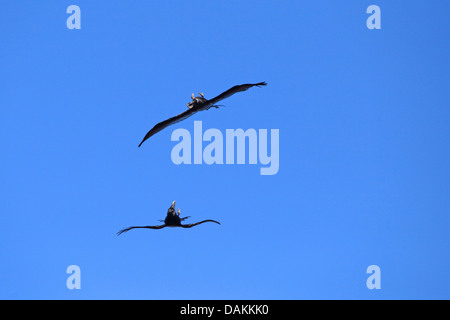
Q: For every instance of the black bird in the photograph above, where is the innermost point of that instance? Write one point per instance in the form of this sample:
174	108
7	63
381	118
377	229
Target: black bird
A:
198	104
172	220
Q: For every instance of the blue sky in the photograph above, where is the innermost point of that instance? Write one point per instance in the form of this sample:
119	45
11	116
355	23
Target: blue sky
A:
363	117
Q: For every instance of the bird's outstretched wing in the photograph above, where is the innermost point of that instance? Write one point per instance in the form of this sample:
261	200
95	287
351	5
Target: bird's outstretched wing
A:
234	90
164	124
190	225
145	227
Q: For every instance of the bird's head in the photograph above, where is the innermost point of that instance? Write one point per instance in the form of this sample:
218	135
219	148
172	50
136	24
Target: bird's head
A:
191	103
172	209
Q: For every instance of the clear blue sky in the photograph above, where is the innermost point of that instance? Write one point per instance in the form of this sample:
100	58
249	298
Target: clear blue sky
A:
364	173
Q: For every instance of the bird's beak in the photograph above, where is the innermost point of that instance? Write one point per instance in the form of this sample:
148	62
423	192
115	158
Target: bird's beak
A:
173	205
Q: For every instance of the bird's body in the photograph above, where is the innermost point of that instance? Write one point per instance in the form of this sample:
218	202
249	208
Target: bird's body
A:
172	220
197	101
198	104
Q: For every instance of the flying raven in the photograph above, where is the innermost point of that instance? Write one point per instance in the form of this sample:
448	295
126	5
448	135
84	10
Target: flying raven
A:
198	104
172	220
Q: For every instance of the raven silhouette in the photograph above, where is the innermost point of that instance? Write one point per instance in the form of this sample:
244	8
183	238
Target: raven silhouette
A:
199	104
172	220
